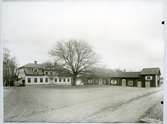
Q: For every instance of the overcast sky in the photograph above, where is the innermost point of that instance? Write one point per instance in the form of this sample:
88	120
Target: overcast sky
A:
124	33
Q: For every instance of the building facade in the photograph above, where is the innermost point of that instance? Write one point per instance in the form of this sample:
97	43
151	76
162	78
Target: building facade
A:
148	77
34	73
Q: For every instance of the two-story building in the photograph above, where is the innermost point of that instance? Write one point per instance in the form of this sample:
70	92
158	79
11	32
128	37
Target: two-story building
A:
34	73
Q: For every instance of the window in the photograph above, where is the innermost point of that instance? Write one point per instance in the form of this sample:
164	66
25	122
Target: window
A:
29	80
130	83
55	79
59	79
148	78
46	73
68	79
113	82
35	80
41	80
50	73
64	80
46	79
35	70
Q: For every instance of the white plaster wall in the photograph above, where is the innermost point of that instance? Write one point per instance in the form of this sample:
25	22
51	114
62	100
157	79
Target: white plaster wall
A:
38	80
79	82
62	82
49	80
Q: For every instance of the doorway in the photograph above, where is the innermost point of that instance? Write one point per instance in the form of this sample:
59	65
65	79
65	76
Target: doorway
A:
124	82
147	84
23	82
139	84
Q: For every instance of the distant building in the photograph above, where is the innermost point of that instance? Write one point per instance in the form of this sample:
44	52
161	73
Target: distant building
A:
35	73
148	77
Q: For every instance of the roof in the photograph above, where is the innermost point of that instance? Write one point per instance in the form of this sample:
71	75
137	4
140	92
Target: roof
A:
97	72
115	75
119	74
32	65
60	71
146	71
127	75
64	72
30	71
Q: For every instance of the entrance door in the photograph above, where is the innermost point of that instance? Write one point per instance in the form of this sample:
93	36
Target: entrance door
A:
147	84
100	81
51	81
124	82
23	82
139	84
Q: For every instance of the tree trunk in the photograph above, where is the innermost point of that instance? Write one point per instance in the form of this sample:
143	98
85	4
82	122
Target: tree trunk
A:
74	80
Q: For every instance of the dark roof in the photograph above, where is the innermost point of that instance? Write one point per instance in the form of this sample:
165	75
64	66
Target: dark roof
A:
119	74
127	75
51	67
64	72
32	65
58	70
96	73
30	71
115	75
146	71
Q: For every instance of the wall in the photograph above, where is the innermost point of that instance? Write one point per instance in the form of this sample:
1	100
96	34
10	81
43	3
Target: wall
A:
79	82
152	82
50	80
64	80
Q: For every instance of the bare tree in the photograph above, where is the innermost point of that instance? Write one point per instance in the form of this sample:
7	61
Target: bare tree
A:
76	56
9	68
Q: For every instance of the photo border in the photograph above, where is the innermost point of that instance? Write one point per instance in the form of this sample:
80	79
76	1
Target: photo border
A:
165	63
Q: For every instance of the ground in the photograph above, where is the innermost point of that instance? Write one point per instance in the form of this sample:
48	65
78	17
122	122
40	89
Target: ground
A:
81	104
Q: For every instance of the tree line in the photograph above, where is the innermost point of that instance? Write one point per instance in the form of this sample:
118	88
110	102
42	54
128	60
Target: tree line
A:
76	56
9	68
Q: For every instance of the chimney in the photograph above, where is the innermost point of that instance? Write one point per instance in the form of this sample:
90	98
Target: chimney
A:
35	62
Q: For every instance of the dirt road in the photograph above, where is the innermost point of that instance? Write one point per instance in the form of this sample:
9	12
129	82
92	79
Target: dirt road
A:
99	104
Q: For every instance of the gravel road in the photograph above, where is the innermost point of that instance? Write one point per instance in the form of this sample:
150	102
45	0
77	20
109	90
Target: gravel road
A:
81	104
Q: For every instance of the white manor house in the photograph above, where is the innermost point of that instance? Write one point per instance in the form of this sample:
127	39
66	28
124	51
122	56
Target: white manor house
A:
34	73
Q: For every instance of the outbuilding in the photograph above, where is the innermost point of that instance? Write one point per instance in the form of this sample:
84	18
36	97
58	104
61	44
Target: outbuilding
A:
147	77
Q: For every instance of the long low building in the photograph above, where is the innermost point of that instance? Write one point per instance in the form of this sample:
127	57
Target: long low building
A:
34	73
147	77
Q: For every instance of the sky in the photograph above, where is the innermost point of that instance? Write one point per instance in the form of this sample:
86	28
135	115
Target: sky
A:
125	34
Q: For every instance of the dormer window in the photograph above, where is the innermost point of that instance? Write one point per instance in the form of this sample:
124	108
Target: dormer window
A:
35	70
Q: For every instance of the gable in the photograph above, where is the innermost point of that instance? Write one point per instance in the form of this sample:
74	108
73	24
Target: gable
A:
151	71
